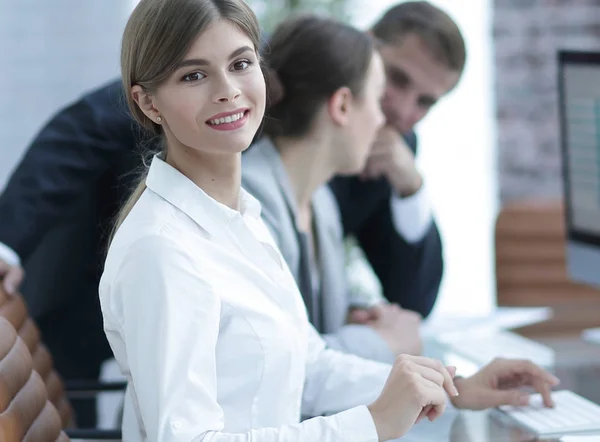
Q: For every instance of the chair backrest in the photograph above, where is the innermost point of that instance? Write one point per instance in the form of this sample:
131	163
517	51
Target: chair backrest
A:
531	264
26	415
13	309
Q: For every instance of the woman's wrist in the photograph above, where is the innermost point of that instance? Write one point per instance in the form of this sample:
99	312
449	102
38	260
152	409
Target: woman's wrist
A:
459	383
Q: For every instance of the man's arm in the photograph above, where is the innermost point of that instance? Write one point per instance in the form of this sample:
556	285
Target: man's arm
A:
410	272
62	166
409	267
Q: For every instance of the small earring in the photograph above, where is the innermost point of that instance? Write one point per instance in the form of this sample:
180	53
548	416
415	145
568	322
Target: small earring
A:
158	119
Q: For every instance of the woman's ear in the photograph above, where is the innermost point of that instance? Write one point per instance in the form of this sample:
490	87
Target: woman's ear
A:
339	106
145	102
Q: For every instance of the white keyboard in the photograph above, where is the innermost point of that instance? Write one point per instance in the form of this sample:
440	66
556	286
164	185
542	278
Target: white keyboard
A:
482	347
572	414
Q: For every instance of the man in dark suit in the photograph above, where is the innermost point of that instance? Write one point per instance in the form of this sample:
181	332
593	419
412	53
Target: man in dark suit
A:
58	205
424	55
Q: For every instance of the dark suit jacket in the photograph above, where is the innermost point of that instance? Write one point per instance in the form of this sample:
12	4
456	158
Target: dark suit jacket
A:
59	205
56	211
409	273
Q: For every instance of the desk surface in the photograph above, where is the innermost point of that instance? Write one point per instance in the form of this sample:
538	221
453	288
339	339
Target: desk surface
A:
578	367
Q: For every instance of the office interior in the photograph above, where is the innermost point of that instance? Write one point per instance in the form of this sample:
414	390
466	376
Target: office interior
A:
521	247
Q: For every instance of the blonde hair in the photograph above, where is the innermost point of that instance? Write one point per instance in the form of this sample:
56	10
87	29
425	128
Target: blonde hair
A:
157	37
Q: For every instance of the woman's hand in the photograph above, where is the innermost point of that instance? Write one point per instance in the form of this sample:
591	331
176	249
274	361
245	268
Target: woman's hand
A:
500	383
417	387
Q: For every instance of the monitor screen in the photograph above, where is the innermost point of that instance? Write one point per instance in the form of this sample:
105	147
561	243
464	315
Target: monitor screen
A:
579	93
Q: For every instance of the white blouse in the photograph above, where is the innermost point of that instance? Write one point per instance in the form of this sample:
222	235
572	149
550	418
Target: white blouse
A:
207	324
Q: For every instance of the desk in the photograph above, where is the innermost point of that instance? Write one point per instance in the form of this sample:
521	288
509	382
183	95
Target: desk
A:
577	365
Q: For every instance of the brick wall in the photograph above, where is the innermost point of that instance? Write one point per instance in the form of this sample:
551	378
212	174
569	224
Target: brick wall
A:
527	34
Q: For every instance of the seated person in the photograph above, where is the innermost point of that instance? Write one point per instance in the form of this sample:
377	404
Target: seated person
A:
204	318
324	116
59	203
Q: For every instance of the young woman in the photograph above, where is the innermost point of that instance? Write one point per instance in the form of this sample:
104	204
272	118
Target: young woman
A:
324	116
203	316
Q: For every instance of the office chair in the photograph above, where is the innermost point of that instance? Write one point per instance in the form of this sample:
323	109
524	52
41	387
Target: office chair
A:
531	266
26	414
14	312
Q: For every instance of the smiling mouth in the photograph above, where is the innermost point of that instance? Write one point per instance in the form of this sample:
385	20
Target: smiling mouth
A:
228	119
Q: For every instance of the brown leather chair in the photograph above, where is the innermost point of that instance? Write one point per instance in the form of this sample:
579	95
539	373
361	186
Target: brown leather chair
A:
14	311
26	414
531	267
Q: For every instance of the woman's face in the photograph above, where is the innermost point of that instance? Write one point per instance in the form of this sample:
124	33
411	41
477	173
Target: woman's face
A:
215	99
365	120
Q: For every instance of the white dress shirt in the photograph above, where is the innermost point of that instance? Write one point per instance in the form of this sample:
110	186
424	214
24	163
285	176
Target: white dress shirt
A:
207	324
412	215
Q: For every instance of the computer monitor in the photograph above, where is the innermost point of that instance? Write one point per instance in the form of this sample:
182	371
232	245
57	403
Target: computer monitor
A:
579	109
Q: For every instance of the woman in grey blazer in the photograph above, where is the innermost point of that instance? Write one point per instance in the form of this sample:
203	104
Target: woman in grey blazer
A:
324	115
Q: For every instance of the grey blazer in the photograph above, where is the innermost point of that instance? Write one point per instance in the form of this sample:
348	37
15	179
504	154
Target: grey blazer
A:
265	177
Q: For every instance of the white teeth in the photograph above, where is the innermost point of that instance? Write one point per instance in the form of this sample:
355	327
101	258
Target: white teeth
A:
228	119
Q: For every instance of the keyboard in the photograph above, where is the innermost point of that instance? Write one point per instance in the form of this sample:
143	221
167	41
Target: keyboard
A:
481	347
572	414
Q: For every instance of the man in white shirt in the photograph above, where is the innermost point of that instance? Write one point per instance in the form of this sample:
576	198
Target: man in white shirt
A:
424	54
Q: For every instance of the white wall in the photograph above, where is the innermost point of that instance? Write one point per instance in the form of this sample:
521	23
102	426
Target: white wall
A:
51	52
458	158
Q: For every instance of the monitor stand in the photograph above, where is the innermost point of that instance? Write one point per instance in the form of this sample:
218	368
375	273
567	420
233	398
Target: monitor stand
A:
591	335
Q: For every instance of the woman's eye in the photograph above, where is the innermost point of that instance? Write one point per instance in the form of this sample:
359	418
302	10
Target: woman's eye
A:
194	76
241	65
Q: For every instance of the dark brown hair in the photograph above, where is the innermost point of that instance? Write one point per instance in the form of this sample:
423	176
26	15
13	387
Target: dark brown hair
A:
157	37
309	58
434	27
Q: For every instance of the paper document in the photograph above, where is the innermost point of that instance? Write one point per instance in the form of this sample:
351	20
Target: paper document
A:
503	318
